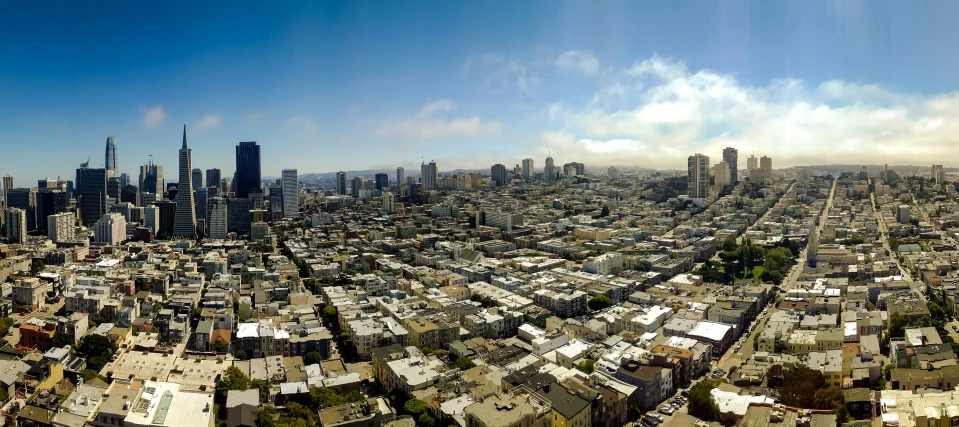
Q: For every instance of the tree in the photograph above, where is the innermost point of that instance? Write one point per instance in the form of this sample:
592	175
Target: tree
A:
90	374
36	267
61	339
97	349
586	366
5	324
464	363
300	412
313	358
701	402
233	379
263	386
604	212
329	312
267	416
599	302
416	408
385	342
240	354
322	397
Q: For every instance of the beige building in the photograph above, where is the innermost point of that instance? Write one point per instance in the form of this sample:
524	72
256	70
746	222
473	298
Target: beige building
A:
30	291
520	408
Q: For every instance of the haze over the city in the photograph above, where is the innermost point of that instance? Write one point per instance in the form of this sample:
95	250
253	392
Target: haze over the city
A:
324	87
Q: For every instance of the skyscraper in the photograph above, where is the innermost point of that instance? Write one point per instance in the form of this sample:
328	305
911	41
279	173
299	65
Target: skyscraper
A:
428	176
15	224
49	202
151	178
766	164
26	199
381	181
92	192
752	163
498	175
197	179
548	171
291	204
111	229
698	176
185	223
527	169
400	176
213	178
937	174
61	227
357	186
218	218
110	159
7	186
731	157
247	169
341	182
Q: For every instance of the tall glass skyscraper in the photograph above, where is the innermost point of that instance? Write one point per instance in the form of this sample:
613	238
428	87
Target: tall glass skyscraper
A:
247	169
110	159
184	224
92	192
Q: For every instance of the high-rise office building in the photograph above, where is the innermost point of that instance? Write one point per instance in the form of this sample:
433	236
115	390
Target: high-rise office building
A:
111	229
201	198
213	178
110	159
26	199
226	186
7	185
49	202
381	181
429	176
938	174
720	173
238	215
218	218
185	222
15	224
151	218
151	178
389	202
731	157
766	165
291	203
247	169
92	191
527	169
549	172
400	176
341	183
113	187
698	176
197	179
62	227
498	175
357	186
130	194
752	163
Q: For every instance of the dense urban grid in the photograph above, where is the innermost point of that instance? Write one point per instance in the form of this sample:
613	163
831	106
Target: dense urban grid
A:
515	296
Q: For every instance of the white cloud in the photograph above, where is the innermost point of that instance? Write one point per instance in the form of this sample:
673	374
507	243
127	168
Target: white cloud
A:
153	117
584	62
253	117
208	122
657	112
426	126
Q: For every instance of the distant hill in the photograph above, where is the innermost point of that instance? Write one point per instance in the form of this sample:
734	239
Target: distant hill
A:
875	169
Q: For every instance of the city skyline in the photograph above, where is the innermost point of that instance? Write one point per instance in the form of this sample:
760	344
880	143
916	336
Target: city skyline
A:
842	84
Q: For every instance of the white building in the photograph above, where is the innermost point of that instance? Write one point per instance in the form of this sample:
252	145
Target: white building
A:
111	229
61	227
151	218
527	169
15	224
389	202
217	218
608	263
291	203
698	176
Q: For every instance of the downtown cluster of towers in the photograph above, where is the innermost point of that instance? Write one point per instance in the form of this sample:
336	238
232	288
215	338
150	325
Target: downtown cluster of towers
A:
701	176
179	210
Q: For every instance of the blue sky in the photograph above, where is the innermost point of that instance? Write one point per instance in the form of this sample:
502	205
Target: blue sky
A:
324	86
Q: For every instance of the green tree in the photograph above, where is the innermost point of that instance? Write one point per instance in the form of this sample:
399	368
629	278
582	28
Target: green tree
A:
90	374
97	349
263	386
416	408
233	379
267	416
240	354
701	402
599	302
586	366
313	358
5	324
36	267
61	339
604	212
464	363
300	412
